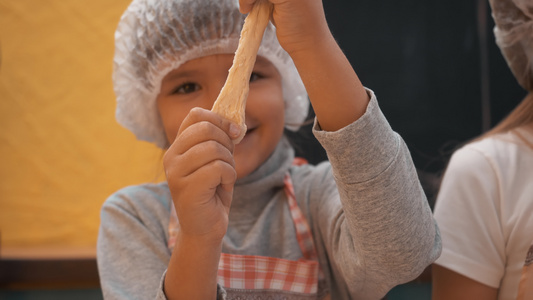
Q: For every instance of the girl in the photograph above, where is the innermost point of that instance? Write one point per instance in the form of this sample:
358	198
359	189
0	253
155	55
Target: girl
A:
243	221
485	204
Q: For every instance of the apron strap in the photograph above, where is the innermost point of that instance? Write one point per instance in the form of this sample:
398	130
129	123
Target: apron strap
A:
303	231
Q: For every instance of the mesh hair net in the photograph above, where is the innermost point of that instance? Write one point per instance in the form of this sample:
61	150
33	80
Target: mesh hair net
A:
154	37
514	36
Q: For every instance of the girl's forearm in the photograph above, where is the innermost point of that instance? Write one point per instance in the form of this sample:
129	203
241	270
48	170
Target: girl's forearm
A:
335	91
192	271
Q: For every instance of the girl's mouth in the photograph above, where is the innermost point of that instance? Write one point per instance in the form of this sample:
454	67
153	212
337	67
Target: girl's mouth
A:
249	130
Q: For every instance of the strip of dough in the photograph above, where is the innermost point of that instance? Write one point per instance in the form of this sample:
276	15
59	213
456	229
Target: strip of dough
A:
231	102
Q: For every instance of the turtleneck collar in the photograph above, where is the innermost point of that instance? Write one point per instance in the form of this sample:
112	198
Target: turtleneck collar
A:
259	186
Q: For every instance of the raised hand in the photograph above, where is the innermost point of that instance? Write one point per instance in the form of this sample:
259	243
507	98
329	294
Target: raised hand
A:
200	171
300	24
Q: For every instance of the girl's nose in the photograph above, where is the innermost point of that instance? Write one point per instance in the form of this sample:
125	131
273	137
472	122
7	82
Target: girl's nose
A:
214	90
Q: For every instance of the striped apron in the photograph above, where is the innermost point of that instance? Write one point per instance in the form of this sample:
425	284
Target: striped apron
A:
269	275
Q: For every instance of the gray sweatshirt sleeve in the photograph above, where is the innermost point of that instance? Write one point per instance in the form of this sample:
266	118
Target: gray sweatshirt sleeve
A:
132	255
382	233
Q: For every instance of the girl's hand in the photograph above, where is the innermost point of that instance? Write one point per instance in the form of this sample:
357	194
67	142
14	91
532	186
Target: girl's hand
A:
300	24
200	171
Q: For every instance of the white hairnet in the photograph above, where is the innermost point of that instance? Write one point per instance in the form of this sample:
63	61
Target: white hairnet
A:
154	37
514	36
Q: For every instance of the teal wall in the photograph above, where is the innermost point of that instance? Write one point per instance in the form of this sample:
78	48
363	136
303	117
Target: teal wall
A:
77	294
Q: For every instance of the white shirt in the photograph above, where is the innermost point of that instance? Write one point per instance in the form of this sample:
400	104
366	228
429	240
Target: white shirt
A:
485	210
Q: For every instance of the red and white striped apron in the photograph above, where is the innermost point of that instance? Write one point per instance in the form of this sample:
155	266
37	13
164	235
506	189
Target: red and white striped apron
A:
269	274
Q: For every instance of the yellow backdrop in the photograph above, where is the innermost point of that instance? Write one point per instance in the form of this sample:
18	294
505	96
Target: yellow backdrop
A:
61	151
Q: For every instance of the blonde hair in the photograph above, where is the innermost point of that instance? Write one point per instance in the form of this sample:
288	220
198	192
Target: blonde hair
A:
521	115
514	37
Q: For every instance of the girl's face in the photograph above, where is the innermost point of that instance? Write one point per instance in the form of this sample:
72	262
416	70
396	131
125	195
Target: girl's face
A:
198	82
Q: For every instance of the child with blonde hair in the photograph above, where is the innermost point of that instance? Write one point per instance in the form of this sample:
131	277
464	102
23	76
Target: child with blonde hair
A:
485	203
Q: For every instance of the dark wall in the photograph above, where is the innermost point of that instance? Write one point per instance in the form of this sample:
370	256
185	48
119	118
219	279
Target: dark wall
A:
424	59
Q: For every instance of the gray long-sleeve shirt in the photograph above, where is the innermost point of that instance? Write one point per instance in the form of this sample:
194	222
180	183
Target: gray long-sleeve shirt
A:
370	220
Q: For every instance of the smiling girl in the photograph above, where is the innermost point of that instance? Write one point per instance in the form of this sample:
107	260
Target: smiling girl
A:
244	221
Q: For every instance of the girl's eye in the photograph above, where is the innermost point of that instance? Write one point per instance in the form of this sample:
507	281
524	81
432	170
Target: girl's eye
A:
186	88
255	76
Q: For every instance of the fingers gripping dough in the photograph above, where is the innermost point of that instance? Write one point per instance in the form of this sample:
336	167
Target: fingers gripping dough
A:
231	102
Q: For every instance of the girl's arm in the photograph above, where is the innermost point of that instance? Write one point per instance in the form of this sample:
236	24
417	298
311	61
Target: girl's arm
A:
200	172
448	284
192	270
328	76
468	211
337	95
375	221
384	234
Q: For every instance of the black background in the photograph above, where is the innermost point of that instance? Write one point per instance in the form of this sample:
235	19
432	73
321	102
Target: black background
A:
428	63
